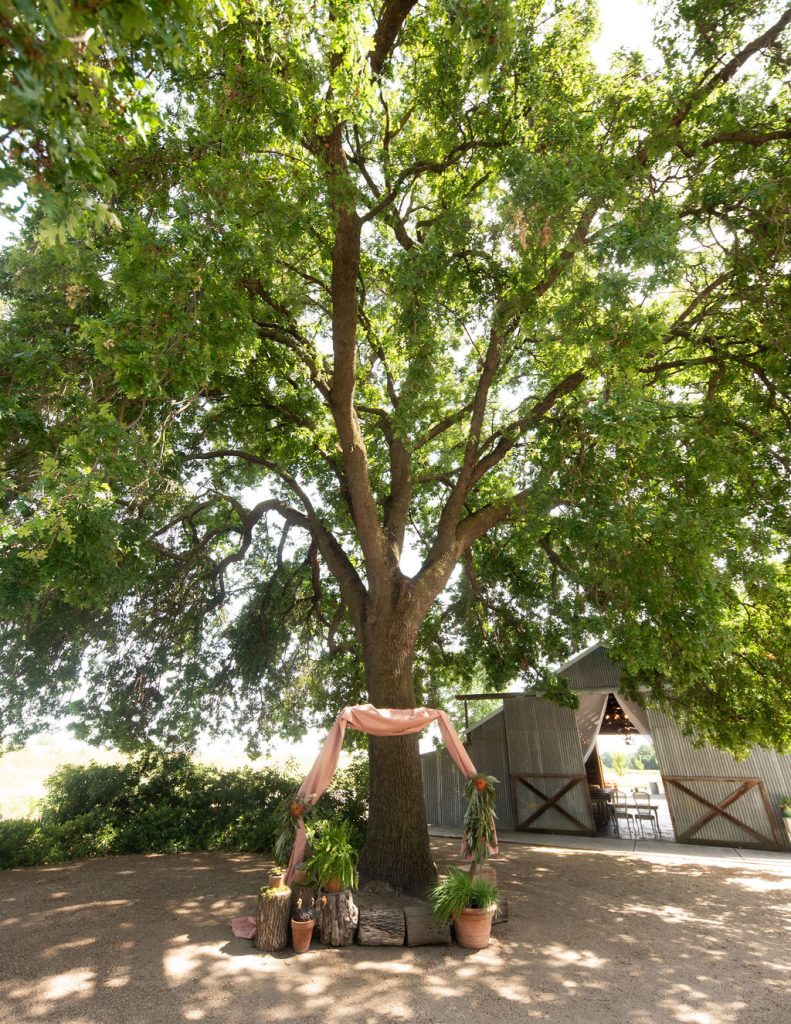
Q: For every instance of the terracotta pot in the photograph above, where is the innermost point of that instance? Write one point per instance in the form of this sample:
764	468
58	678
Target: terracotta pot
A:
301	934
300	877
333	885
473	927
275	879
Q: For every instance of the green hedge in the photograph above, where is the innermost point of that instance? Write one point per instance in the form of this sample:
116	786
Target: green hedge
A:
165	803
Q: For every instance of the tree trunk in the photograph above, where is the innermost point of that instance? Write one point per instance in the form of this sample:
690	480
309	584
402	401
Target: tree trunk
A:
397	847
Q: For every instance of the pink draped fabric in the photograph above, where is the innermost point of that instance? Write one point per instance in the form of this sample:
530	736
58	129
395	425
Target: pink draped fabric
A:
375	722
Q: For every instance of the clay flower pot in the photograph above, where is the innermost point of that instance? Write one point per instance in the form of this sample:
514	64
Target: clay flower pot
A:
333	885
300	877
275	879
301	934
473	927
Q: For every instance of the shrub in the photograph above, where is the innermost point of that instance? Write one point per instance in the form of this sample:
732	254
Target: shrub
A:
166	803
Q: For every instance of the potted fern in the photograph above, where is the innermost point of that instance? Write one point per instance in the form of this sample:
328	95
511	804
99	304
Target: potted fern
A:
333	862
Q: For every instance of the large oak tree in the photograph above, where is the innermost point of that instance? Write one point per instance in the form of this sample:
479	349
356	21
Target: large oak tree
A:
339	285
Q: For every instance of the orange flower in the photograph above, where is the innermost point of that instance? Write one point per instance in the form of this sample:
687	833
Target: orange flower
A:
480	784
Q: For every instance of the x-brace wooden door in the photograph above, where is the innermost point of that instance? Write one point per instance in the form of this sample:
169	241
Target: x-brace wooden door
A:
558	785
743	813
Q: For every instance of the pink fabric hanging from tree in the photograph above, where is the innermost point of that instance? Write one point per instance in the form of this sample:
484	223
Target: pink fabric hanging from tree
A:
375	722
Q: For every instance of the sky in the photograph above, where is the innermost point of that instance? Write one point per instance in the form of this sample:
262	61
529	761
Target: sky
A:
625	24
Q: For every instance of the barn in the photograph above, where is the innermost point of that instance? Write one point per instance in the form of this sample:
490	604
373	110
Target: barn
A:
546	758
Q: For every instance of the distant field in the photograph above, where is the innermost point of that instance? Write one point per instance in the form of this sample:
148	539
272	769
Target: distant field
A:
24	772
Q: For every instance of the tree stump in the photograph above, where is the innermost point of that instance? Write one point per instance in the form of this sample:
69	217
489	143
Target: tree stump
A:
272	918
423	929
338	921
381	926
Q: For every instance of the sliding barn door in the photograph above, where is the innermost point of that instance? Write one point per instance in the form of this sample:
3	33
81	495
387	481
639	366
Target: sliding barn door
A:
718	801
549	788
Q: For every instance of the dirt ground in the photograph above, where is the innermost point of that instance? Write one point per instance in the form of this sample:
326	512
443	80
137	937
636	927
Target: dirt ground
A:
592	937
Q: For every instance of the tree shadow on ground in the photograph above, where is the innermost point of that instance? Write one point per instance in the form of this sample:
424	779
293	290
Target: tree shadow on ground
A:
594	937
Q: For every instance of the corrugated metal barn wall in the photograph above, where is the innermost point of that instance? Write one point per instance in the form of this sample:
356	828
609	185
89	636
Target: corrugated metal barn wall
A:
442	781
678	757
594	671
488	749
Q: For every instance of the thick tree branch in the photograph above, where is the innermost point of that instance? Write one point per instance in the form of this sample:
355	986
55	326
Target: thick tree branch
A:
512	434
747	136
488	370
336	558
442	425
714	79
391	18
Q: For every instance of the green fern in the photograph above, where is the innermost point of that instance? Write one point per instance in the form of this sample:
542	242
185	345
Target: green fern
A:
333	855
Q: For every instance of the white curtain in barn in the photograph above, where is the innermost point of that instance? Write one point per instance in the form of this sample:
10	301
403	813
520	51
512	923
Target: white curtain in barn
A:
636	715
589	717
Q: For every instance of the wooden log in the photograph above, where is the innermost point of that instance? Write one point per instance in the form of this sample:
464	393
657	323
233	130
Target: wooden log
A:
272	919
339	917
381	926
423	929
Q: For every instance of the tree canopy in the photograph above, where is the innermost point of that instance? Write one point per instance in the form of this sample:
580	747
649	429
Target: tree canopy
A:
307	289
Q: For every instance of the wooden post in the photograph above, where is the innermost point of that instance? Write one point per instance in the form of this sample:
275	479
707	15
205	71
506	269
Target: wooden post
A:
338	921
272	919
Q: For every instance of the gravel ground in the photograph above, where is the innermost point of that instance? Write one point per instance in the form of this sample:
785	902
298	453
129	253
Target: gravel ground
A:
593	937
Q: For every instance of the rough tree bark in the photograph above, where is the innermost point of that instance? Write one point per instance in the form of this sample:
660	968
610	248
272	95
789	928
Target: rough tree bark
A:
397	846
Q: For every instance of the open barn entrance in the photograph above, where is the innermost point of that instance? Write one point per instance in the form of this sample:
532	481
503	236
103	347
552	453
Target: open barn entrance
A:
624	781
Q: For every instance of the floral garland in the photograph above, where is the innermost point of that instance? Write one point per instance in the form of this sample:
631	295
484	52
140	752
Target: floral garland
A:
478	834
287	816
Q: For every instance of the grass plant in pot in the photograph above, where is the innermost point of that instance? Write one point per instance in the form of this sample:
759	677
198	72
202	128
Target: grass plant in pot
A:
333	861
287	817
469	903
